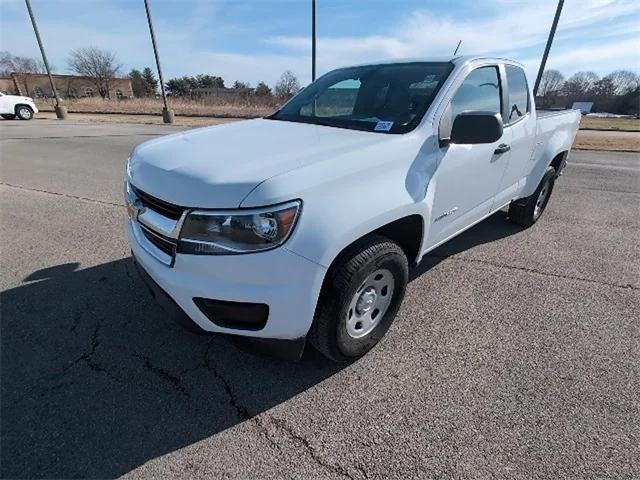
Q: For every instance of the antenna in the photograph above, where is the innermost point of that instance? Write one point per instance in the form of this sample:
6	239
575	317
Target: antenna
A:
459	43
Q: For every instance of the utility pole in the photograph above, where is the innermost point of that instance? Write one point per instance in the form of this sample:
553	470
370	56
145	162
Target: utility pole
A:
61	112
552	33
313	40
167	115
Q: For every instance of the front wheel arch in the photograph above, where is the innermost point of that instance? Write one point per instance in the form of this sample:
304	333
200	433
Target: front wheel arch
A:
355	259
17	108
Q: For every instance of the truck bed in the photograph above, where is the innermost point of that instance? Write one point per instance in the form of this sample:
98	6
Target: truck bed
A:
543	113
557	128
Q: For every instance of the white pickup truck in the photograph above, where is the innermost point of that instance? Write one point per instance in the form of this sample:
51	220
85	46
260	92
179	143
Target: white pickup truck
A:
303	225
12	106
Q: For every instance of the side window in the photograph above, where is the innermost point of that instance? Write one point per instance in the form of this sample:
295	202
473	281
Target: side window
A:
518	93
480	91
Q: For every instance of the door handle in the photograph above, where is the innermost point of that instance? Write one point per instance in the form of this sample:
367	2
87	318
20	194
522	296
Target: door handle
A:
502	148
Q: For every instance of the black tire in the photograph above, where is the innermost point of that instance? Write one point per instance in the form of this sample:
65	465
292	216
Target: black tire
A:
523	212
8	116
363	259
24	112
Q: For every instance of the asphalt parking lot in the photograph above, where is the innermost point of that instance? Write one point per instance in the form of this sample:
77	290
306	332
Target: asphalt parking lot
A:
516	353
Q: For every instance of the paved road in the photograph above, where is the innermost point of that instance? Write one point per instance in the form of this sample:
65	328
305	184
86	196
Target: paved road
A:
515	355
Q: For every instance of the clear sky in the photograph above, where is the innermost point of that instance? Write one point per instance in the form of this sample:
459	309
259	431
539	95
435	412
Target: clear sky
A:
253	40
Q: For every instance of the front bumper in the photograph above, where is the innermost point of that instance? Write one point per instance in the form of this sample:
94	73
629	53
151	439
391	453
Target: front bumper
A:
288	283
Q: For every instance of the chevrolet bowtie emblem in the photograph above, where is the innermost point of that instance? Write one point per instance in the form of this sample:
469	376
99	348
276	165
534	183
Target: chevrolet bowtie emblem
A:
134	208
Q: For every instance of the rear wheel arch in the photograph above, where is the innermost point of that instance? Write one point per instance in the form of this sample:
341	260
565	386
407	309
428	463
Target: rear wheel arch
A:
558	161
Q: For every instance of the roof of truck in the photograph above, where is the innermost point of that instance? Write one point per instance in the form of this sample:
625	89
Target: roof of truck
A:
458	60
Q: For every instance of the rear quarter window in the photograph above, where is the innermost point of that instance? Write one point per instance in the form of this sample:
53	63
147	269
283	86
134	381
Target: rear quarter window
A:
519	104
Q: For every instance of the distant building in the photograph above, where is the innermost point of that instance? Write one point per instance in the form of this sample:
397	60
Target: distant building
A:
37	85
7	86
224	93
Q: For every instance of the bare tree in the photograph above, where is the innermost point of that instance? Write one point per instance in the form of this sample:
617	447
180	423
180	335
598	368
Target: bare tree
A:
624	81
287	86
580	84
98	65
551	82
20	66
11	64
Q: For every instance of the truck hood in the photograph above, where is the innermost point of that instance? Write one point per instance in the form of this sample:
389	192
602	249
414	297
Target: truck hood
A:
217	167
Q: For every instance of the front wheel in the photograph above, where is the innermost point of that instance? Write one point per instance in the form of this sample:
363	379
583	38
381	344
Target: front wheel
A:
360	299
8	116
527	211
24	112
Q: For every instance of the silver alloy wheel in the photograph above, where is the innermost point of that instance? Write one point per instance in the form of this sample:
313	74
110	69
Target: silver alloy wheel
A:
370	303
542	198
25	113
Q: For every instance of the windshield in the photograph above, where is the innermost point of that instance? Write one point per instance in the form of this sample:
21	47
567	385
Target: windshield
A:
377	98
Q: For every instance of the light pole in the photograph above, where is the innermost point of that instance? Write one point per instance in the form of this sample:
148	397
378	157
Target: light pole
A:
313	40
167	115
552	33
61	112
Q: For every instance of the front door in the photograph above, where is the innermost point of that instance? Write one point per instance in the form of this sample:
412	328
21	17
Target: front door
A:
468	176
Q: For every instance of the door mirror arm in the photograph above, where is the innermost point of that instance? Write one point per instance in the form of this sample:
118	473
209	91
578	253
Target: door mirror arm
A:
444	142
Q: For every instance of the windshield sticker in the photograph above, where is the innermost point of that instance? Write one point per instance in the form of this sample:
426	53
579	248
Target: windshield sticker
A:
383	126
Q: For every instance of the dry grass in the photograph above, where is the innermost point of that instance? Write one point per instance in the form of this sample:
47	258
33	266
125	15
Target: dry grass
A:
249	108
138	119
621	124
608	140
586	139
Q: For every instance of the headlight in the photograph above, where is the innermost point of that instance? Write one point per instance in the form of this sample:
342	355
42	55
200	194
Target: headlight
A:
237	231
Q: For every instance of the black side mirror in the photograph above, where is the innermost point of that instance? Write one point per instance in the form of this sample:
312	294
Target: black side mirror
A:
476	127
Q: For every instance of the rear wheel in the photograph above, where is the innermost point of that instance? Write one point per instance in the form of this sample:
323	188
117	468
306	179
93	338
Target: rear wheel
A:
8	116
527	211
360	299
24	112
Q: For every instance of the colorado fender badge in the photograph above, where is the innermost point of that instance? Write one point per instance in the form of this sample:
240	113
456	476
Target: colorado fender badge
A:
446	214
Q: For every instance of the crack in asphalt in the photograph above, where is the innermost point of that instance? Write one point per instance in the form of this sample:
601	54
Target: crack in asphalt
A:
311	450
626	286
128	273
165	375
87	357
148	366
244	414
65	195
241	411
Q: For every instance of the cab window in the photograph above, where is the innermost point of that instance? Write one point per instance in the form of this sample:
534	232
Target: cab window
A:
480	91
518	93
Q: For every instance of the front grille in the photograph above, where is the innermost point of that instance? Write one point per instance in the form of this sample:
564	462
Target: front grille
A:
167	209
163	244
